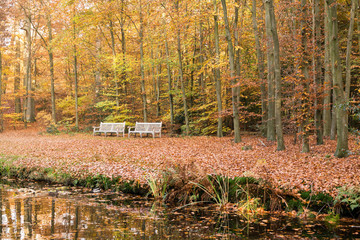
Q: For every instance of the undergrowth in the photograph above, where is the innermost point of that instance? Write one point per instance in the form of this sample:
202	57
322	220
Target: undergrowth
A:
185	185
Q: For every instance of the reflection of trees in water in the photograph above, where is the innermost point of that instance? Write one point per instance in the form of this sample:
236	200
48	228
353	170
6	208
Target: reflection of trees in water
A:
25	216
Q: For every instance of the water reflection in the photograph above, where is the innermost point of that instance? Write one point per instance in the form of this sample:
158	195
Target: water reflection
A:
55	213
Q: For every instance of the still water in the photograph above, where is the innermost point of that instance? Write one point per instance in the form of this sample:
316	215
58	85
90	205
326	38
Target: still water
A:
37	211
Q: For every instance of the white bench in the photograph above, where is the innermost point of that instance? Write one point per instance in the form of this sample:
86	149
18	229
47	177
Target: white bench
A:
142	127
110	128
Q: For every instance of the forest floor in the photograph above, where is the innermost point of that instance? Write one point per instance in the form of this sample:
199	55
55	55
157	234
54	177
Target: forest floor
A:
136	158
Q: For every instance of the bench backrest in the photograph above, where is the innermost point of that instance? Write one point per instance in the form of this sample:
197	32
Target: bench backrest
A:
152	127
112	127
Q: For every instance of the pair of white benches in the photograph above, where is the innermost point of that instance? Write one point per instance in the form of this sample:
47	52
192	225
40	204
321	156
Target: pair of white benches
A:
140	128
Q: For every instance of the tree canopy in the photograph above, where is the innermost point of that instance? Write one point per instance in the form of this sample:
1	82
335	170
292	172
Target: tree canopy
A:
202	67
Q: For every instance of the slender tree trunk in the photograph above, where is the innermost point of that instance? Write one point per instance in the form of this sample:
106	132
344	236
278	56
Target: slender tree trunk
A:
114	65
237	137
271	132
52	78
123	48
333	130
143	92
317	70
358	24
153	72
17	78
340	98
261	70
76	80
158	80
29	111
201	57
98	71
1	90
169	81
354	5
327	83
305	101
271	22
217	72
182	74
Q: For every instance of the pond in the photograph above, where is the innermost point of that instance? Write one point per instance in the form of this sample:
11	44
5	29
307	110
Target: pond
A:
32	210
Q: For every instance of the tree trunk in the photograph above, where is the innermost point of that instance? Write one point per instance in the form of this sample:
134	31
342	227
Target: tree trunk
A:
217	72
333	117
76	80
114	66
98	71
340	98
153	72
1	90
143	92
17	78
354	5
169	81
157	90
237	137
181	74
201	58
261	70
317	70
327	83
29	111
305	101
271	132
52	78
271	22
123	48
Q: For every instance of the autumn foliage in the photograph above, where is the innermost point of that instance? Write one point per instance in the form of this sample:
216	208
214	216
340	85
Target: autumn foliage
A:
82	155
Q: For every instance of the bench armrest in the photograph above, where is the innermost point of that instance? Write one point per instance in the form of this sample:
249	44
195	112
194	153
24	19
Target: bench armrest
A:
96	128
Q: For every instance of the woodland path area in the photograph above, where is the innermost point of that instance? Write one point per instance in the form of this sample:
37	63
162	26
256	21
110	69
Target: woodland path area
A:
136	158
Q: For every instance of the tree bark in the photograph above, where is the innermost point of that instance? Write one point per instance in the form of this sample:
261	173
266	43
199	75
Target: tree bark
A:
327	83
123	47
169	81
187	127
29	104
76	78
354	5
217	72
271	132
1	90
17	78
143	92
269	9
51	62
157	90
114	65
98	71
261	70
317	70
237	137
340	98
305	101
